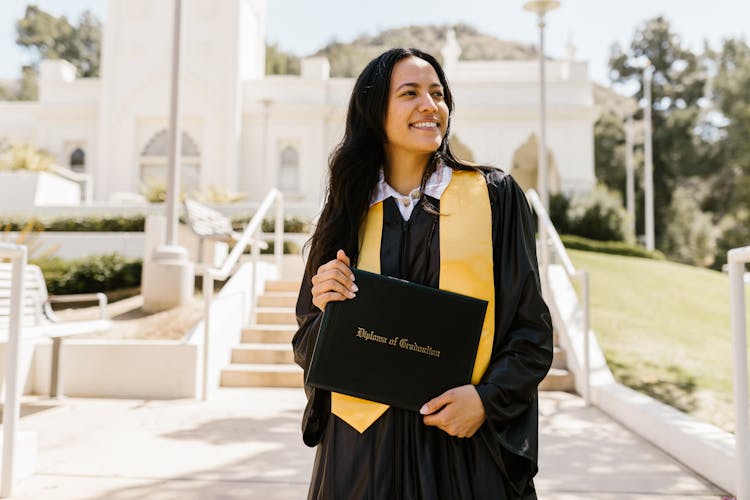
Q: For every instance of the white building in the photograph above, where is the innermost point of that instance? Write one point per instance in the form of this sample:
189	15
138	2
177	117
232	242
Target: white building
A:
245	131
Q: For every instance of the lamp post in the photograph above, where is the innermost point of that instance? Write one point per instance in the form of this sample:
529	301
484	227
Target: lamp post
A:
168	274
648	162
541	7
630	175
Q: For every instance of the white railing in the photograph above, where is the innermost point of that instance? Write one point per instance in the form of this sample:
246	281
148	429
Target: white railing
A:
87	180
11	407
737	258
251	236
547	231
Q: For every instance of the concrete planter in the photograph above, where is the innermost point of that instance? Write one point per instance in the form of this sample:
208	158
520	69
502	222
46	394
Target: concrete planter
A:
150	369
22	191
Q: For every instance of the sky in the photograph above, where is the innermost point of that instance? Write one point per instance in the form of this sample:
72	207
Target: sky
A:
303	26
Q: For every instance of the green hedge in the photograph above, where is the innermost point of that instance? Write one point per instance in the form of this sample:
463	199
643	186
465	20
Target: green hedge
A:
290	247
612	247
130	223
291	225
135	223
100	273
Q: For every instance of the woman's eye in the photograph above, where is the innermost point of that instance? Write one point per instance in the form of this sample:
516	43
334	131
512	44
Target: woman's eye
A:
437	94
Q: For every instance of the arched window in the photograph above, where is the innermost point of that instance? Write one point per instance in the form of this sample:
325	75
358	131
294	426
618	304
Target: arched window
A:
78	160
154	160
289	169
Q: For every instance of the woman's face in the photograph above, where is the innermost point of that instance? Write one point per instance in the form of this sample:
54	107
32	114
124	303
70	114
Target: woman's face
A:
417	116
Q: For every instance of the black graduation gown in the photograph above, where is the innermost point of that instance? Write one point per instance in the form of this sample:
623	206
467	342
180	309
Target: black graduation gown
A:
398	457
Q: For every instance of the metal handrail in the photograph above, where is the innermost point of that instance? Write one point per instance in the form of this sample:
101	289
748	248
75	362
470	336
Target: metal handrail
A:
737	258
249	238
11	407
549	233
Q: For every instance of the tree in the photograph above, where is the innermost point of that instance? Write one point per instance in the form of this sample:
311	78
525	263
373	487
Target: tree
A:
609	151
50	37
279	62
678	85
730	187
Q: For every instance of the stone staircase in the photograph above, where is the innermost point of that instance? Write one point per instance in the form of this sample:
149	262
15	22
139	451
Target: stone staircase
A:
265	358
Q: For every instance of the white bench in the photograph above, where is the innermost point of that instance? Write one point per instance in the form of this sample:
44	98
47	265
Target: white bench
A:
39	320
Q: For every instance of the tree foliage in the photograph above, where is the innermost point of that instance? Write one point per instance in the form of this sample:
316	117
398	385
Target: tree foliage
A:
279	62
50	37
678	84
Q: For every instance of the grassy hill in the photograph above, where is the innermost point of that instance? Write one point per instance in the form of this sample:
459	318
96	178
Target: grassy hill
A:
664	328
348	59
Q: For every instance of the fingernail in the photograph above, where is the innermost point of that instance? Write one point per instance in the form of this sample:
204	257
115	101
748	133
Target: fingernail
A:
351	295
424	410
351	277
355	288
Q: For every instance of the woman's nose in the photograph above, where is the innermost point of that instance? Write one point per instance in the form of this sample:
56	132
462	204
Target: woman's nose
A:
427	104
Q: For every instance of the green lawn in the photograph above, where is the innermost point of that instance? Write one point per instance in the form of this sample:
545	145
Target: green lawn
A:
664	328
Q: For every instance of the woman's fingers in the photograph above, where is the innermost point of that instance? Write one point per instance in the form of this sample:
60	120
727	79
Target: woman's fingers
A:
336	265
343	277
323	299
334	281
332	285
341	256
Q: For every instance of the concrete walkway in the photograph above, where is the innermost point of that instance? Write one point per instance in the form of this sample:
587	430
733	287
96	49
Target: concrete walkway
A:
245	443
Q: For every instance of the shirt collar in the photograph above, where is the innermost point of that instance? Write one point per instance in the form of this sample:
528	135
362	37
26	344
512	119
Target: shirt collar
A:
435	186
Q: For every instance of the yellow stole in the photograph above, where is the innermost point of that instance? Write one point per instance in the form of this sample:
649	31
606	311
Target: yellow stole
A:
466	267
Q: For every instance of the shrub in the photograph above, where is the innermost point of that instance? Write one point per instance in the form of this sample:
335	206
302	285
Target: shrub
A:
131	223
558	212
291	225
25	157
290	247
691	236
100	273
598	215
611	247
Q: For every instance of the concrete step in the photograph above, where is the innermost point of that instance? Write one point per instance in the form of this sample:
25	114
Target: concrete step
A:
256	353
558	380
261	375
275	316
278	299
560	358
275	334
283	286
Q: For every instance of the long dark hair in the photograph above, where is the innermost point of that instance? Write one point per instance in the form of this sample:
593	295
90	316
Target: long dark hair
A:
355	163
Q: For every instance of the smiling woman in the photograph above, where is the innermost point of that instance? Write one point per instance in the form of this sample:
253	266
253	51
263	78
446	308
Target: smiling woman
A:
399	203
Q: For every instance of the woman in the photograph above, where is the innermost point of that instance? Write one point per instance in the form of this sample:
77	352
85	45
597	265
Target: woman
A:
401	204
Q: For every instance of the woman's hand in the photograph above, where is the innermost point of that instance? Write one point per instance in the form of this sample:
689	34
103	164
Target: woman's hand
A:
333	281
459	411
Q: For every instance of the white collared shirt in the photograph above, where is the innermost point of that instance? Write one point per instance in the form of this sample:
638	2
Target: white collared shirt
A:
436	185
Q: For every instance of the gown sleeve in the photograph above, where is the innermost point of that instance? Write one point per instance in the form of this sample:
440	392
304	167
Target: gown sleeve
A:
522	348
318	407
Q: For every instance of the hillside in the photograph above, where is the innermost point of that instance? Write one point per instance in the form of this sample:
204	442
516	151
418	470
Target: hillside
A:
664	328
348	59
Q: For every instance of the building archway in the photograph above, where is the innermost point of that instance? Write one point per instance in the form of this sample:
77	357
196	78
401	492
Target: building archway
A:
461	150
525	166
153	160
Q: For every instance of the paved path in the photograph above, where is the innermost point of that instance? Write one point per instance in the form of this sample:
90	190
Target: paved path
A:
245	443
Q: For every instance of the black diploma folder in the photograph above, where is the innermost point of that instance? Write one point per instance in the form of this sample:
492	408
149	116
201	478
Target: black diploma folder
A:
397	342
